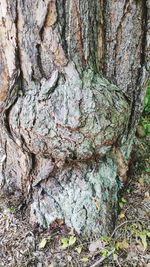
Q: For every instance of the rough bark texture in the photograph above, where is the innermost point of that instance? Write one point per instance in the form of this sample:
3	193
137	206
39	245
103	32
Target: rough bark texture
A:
72	79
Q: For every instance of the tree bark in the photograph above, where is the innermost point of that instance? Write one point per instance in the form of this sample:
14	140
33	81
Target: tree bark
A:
73	76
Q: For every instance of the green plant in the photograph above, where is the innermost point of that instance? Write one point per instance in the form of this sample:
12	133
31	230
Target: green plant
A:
11	209
142	234
146	113
147	100
67	242
122	202
44	242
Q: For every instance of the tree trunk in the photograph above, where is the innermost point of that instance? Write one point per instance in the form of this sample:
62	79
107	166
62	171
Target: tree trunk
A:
73	78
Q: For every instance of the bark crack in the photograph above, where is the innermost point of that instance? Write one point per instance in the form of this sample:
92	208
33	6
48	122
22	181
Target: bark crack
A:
144	30
62	19
136	97
39	62
16	81
80	40
118	31
102	36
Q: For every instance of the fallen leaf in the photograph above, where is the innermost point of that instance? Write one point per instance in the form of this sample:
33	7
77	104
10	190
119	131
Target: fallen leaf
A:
78	249
11	209
72	240
65	242
84	259
121	216
147	194
122	245
69	258
104	252
143	237
141	181
123	200
43	243
121	205
115	257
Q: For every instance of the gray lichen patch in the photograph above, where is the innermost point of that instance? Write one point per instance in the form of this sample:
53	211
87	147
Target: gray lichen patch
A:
82	195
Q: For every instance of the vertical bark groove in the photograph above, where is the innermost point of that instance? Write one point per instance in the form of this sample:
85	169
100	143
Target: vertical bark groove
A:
137	97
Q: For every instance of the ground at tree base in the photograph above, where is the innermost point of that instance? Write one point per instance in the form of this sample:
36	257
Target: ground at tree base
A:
23	245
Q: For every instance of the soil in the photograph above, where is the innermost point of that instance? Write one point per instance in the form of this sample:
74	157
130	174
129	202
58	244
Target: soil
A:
26	245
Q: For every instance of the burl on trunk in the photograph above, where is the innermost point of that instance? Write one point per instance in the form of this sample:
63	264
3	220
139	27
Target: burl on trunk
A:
72	80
